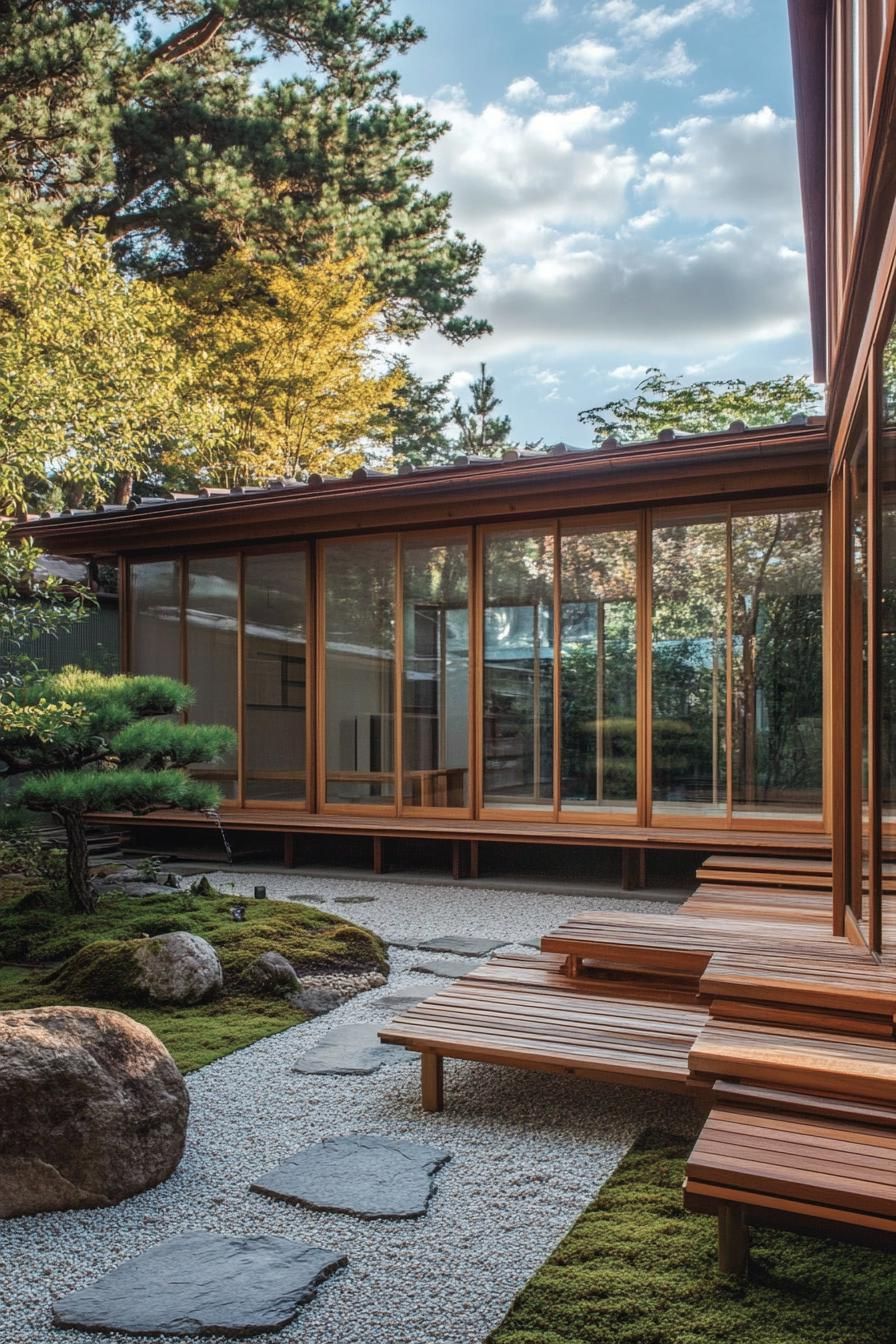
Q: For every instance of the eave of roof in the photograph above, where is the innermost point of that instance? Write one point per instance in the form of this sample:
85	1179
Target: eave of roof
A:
531	480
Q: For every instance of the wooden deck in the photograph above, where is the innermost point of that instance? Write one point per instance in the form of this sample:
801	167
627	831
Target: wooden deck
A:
744	1000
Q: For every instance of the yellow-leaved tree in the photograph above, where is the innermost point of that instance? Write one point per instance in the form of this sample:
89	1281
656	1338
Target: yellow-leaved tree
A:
291	362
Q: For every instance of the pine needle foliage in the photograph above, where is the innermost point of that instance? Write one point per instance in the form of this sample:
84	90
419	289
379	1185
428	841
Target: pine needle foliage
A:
119	752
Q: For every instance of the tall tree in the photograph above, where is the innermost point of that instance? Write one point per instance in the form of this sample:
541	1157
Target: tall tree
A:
664	402
89	372
414	430
290	363
481	431
174	144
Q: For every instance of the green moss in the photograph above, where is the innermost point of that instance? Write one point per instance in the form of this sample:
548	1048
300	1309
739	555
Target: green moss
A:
195	1036
104	972
637	1269
311	939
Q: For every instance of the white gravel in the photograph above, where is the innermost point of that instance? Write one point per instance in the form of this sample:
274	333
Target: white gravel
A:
529	1152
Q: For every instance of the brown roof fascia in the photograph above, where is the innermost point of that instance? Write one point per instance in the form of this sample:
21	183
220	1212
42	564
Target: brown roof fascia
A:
808	42
748	462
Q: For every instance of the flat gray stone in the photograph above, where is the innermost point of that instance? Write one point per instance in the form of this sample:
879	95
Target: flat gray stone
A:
447	969
364	1174
399	940
202	1284
307	900
396	1003
463	947
354	1048
353	900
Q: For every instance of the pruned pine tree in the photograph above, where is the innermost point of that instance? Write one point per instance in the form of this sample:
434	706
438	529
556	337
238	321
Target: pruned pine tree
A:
481	431
415	427
113	748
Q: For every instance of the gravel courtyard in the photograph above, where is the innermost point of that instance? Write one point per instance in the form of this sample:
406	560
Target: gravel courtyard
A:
528	1153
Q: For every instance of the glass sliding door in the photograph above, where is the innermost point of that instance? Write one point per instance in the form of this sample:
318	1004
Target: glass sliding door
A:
777	663
155	618
275	676
887	655
211	618
598	670
518	669
359	671
689	668
435	681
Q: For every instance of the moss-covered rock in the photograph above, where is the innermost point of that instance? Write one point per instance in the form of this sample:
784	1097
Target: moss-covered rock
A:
102	972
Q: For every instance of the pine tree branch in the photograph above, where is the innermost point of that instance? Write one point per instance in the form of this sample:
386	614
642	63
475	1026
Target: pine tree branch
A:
189	40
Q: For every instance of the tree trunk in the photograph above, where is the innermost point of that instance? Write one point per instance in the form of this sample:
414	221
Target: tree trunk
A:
77	869
123	488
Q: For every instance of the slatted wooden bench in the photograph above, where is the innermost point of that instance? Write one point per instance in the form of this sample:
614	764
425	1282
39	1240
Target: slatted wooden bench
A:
806	1170
524	1012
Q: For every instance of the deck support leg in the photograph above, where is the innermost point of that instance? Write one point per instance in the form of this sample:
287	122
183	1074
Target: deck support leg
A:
460	865
433	1081
378	866
734	1241
634	869
289	850
474	858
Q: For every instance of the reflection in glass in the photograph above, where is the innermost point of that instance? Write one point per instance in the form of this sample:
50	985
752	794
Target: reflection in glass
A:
689	667
435	676
518	664
888	581
359	613
211	625
275	675
777	662
155	618
598	669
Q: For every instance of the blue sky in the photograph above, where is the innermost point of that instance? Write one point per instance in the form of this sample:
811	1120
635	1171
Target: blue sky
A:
631	170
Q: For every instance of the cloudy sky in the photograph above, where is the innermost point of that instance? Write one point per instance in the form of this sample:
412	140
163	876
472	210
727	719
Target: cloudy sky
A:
631	170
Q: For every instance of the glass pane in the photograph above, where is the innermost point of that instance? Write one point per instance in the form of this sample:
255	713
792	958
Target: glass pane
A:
689	675
436	674
777	663
518	727
155	618
275	679
598	670
888	582
211	617
359	606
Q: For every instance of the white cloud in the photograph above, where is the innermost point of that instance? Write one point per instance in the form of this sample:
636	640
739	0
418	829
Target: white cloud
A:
596	60
648	219
543	10
627	373
523	90
460	379
672	67
519	180
739	168
718	97
656	22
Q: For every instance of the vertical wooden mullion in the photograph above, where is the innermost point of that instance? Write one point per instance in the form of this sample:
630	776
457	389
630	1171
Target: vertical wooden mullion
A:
240	681
182	572
874	649
311	744
838	781
556	735
644	671
320	675
729	668
124	615
398	690
477	672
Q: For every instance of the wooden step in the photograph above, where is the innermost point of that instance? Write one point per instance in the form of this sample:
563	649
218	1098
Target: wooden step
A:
837	985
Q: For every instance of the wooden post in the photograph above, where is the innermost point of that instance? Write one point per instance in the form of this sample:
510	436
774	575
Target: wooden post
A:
634	869
460	860
289	850
378	866
734	1243
474	858
432	1080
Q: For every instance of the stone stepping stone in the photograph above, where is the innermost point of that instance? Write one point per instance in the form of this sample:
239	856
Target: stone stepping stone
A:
399	940
396	1003
353	900
365	1174
307	900
354	1048
448	969
202	1284
463	947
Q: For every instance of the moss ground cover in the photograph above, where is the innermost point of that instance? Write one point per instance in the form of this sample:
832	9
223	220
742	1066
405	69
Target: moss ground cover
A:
38	933
636	1269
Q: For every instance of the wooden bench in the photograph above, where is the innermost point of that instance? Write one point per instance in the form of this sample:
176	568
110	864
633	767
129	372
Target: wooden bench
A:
524	1012
804	1170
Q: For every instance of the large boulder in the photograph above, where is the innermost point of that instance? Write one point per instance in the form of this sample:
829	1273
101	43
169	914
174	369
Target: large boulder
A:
271	973
171	968
93	1109
178	968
